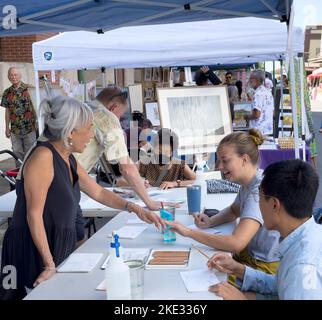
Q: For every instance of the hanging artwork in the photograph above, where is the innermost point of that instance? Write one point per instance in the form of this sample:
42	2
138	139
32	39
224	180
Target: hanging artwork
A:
152	113
199	115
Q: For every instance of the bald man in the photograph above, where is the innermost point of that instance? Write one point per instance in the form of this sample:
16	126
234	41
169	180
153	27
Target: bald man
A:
20	115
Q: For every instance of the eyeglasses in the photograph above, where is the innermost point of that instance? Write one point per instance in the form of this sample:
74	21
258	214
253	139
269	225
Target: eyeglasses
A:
256	194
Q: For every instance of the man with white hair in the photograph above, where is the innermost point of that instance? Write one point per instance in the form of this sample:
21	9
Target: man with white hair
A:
20	115
261	117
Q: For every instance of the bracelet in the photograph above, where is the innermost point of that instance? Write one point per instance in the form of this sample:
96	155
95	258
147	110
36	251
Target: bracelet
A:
127	206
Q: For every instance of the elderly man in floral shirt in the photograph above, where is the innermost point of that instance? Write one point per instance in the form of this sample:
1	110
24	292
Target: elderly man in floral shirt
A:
21	118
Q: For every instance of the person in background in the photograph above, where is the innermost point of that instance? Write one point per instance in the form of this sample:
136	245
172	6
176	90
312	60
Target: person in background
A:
261	117
239	86
232	93
108	107
20	116
250	242
42	233
286	196
162	169
268	83
204	74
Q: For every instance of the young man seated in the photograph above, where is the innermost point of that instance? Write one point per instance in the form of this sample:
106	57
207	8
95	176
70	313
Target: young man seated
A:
286	197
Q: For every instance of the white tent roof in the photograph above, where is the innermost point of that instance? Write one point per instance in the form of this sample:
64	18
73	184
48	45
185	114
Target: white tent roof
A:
239	40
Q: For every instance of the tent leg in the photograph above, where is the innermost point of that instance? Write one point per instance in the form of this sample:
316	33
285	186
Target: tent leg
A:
303	115
40	124
292	78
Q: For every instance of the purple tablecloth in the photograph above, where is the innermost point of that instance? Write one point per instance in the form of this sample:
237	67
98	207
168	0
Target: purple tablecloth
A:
269	156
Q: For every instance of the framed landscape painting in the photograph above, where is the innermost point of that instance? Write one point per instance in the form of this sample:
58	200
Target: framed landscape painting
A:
199	115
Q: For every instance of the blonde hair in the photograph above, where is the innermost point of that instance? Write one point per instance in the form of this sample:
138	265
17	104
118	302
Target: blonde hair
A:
245	143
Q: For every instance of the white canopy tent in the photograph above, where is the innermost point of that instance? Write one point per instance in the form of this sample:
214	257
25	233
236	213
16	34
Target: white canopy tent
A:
229	41
238	40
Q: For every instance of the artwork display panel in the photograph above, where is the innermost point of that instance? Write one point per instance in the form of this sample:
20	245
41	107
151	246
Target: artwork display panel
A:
199	115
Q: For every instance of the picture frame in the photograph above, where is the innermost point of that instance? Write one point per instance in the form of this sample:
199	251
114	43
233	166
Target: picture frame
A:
152	113
200	116
149	93
156	74
241	109
135	97
147	74
287	101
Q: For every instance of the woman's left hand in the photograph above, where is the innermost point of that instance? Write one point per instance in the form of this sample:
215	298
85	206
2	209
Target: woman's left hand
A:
168	184
45	275
150	217
179	228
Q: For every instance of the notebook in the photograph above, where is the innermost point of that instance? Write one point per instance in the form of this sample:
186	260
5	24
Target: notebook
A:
80	262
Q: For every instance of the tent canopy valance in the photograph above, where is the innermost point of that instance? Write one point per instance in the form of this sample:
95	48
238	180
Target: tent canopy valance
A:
239	40
38	16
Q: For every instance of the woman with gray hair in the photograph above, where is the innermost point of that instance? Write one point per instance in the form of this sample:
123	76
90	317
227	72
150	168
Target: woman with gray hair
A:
42	233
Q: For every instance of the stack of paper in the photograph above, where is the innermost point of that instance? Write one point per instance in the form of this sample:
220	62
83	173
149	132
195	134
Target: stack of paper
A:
80	262
129	232
199	280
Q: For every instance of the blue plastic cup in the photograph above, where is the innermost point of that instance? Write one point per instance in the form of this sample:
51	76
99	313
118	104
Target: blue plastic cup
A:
194	199
168	213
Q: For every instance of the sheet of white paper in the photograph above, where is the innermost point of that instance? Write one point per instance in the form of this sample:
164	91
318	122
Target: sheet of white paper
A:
136	220
80	262
101	286
129	232
90	204
131	254
208	230
199	280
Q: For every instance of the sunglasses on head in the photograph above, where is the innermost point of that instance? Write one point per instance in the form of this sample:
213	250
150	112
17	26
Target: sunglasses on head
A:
122	93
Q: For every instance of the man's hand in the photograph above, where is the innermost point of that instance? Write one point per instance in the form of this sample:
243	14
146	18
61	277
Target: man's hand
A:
202	221
227	291
225	263
8	133
204	69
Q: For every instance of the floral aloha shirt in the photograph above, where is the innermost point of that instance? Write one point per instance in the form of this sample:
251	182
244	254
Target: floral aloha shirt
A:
23	118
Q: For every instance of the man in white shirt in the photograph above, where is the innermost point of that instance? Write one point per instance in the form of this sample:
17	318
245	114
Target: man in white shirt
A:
261	117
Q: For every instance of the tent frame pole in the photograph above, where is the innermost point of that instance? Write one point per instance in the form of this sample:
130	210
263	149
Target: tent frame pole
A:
303	112
40	124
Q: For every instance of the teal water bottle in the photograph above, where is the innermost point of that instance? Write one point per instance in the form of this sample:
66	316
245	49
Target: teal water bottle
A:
168	213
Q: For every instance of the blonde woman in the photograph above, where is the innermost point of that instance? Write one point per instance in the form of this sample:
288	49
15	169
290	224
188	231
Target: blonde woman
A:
251	242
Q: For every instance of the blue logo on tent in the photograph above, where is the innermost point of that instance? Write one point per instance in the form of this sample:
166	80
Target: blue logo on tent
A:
48	55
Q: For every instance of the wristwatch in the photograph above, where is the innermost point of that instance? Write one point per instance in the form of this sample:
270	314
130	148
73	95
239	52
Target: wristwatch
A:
179	183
